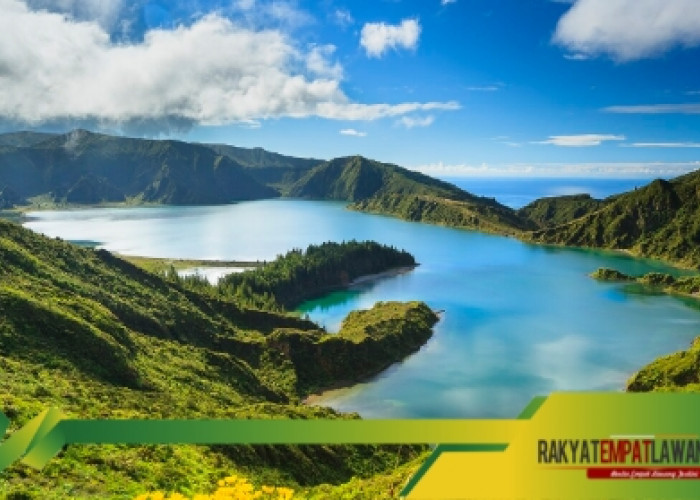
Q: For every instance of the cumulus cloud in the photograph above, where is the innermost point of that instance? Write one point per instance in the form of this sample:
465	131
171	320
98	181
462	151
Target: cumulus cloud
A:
410	122
352	132
317	62
657	109
580	140
377	38
629	29
55	69
105	12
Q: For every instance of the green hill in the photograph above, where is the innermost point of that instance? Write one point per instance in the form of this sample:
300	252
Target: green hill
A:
100	338
300	275
557	210
272	169
355	178
660	220
388	189
85	168
679	371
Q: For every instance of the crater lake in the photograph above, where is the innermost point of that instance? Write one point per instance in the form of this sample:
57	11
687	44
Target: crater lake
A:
518	320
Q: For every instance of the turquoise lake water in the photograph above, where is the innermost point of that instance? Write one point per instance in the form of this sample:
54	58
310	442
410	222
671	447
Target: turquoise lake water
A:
519	320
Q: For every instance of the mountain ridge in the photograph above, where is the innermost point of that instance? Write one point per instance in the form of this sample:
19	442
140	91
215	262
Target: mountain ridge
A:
660	220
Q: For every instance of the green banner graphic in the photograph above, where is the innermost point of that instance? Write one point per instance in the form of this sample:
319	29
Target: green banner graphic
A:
44	436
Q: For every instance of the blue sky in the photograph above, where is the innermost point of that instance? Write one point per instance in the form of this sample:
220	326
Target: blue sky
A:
461	87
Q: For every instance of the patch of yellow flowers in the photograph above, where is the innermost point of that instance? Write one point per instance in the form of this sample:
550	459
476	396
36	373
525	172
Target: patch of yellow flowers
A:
230	488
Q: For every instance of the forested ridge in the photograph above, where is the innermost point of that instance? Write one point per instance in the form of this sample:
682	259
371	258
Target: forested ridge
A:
302	274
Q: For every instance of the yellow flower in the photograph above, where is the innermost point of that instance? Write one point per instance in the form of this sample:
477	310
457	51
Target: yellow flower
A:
268	490
285	493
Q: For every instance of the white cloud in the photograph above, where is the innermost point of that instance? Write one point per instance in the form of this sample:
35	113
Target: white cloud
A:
105	12
377	38
580	140
657	109
576	57
447	2
317	62
629	29
352	132
410	122
614	170
665	145
343	18
353	111
270	14
55	69
244	4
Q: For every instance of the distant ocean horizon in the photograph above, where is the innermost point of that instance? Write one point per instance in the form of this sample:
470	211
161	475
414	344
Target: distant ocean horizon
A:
516	192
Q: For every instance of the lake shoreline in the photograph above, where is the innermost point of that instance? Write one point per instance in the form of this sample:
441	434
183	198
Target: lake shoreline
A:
20	215
500	310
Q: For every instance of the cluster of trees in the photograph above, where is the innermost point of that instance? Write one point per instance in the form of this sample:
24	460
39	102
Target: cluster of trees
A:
299	275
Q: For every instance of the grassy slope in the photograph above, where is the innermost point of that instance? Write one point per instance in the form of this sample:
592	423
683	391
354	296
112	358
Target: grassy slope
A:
660	220
86	168
272	169
679	371
98	337
558	210
389	189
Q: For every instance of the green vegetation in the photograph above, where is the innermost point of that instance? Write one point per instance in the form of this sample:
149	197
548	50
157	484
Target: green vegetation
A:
679	371
356	178
684	285
557	210
482	214
160	265
660	220
272	169
368	342
607	274
101	338
86	168
299	275
392	190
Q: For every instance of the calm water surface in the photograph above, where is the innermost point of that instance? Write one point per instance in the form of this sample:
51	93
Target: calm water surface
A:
518	321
